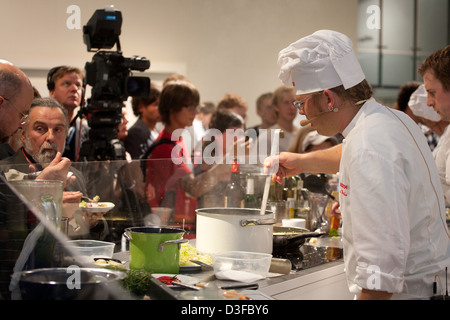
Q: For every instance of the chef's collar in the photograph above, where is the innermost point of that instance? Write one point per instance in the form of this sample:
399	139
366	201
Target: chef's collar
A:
352	123
320	61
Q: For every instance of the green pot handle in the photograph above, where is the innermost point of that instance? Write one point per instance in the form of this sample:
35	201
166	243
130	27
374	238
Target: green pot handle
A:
179	242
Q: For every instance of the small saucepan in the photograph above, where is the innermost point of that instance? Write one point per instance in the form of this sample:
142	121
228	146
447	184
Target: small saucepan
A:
286	238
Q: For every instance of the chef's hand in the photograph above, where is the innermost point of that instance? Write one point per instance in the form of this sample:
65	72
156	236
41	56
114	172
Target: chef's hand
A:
56	170
335	210
285	164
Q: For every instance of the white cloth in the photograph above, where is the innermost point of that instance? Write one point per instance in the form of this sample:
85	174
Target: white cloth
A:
442	157
314	139
418	104
394	233
322	60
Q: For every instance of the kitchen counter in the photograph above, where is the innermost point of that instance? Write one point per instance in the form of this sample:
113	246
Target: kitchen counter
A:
326	281
323	282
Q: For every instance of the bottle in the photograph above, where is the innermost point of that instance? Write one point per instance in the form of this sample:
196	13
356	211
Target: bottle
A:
275	192
235	192
250	199
291	207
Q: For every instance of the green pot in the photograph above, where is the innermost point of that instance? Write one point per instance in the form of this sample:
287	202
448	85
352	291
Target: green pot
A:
155	249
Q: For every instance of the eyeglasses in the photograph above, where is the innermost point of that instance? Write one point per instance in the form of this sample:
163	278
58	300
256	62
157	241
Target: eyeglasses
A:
23	115
300	104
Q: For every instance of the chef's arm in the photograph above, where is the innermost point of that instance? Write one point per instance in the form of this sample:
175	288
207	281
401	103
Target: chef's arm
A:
289	164
197	185
367	294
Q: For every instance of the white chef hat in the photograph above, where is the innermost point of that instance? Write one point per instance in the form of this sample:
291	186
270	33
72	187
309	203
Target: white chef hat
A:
322	60
314	139
418	104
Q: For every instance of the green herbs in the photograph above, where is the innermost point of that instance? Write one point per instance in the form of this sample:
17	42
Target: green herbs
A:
137	282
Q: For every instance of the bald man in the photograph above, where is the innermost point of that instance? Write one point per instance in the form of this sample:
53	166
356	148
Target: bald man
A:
16	94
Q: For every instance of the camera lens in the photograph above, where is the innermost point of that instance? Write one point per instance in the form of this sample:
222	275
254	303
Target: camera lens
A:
138	87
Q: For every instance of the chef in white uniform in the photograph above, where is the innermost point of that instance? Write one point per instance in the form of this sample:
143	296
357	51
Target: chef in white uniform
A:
441	154
394	233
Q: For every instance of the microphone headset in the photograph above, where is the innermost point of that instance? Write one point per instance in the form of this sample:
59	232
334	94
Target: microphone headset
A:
308	121
332	109
50	81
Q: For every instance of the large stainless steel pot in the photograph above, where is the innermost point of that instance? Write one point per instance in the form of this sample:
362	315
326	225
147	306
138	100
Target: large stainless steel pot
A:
234	229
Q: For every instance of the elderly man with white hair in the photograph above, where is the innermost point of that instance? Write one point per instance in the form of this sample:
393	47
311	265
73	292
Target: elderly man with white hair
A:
394	233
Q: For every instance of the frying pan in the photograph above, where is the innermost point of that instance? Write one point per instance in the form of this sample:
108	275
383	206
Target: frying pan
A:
314	184
288	237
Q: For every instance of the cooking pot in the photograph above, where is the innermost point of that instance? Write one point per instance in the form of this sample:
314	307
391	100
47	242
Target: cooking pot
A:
155	249
288	238
75	284
234	229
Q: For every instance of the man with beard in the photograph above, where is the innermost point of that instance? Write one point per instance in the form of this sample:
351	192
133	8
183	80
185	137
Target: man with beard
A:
43	136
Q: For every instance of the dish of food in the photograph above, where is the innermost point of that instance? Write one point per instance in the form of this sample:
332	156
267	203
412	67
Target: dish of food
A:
96	207
169	279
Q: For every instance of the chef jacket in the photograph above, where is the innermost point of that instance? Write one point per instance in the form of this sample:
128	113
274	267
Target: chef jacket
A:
392	205
442	157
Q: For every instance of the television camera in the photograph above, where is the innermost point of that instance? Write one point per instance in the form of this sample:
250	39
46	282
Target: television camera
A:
109	74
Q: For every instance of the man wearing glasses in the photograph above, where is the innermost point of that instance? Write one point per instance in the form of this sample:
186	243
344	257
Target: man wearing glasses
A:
394	234
16	94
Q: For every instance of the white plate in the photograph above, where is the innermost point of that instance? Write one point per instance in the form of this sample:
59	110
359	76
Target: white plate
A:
105	207
184	279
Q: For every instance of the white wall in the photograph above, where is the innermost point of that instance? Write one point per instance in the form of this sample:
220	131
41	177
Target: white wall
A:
220	45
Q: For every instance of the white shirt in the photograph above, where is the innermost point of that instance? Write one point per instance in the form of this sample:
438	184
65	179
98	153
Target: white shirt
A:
392	205
442	157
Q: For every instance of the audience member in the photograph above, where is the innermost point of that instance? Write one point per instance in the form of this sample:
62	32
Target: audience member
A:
266	111
178	106
194	134
209	179
14	139
174	77
43	136
234	103
16	94
283	99
65	85
143	132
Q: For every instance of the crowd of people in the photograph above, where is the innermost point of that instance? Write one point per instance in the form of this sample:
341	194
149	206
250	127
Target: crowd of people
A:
394	186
